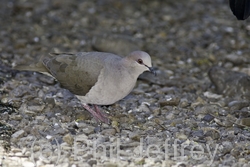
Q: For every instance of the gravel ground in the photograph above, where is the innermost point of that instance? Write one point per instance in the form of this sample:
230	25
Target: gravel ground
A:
195	112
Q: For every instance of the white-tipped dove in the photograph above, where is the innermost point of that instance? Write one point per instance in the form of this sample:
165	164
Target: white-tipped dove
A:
96	78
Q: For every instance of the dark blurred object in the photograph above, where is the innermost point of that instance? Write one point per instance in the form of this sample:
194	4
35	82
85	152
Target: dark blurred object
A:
240	8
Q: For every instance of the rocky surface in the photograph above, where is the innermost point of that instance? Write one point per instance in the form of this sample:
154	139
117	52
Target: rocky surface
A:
194	112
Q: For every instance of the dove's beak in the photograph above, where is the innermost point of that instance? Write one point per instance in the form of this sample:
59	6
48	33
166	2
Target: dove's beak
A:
151	69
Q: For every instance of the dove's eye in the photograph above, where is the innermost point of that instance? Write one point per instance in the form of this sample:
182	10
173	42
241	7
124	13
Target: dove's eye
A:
140	61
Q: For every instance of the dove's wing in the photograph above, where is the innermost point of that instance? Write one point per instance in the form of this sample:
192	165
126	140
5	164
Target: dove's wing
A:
76	72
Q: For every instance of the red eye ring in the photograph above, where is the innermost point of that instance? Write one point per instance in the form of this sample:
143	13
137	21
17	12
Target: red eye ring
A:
140	61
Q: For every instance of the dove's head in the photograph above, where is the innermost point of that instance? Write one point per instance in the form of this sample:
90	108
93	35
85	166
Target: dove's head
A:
140	61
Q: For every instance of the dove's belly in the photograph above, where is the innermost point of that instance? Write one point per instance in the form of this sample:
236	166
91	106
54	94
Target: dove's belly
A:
106	94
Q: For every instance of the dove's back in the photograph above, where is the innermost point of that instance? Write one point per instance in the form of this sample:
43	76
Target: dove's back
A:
76	72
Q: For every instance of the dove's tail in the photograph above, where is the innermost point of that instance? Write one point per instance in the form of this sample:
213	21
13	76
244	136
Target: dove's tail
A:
37	67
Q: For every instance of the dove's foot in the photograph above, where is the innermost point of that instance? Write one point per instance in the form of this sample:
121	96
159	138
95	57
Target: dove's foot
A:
97	114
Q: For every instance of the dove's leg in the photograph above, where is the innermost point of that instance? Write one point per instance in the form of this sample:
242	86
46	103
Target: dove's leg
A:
92	112
98	115
102	114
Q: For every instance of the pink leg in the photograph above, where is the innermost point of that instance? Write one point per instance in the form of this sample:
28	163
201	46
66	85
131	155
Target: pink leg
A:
102	114
98	115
